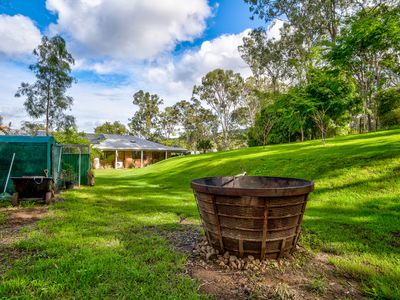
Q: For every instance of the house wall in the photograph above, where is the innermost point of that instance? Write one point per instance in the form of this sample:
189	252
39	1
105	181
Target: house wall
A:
130	159
107	160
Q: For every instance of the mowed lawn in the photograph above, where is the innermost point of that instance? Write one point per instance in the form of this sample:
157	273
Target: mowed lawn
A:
95	244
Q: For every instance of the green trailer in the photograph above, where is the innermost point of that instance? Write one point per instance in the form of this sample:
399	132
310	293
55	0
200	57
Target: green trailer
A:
35	154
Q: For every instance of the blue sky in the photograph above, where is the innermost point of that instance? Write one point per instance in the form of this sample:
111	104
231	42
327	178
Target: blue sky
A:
121	46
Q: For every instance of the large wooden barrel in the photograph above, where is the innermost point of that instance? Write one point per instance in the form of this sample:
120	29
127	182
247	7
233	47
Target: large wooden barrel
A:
252	215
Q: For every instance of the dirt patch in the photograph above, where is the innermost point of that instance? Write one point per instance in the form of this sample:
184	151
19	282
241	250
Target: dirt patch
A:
184	237
17	218
13	220
396	234
395	240
24	216
211	281
302	276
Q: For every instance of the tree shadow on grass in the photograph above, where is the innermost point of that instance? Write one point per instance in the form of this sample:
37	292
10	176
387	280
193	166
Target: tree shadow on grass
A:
312	164
368	219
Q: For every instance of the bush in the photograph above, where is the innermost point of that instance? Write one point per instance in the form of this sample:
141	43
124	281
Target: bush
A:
389	106
204	145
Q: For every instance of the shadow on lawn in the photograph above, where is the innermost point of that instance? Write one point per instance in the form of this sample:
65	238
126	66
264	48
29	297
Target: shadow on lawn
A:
297	164
303	166
137	202
361	227
363	136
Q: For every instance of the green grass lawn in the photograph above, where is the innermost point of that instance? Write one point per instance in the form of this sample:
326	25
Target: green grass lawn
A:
93	244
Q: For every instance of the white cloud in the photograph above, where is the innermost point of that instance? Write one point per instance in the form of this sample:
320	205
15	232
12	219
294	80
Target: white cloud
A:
128	29
176	77
93	103
11	108
18	35
99	67
221	52
274	29
170	77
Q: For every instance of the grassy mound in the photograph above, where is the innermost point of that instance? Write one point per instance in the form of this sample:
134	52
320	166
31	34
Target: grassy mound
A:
94	244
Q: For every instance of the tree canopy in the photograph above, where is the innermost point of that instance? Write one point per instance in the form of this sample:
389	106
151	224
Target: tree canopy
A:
47	96
144	122
368	48
333	69
388	106
111	128
222	91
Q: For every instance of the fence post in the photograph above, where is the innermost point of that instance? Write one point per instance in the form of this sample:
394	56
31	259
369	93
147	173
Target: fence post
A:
59	159
79	167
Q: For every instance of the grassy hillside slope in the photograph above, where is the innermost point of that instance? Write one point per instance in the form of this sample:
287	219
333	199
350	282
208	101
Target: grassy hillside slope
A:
93	244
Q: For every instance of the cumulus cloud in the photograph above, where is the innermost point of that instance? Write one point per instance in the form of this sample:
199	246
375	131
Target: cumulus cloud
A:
132	29
177	76
221	52
11	76
274	30
18	35
169	76
94	103
99	67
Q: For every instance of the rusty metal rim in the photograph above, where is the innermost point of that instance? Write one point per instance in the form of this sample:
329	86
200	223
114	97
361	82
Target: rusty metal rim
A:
307	187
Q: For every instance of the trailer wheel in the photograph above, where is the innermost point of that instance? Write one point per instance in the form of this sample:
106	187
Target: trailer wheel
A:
15	199
48	197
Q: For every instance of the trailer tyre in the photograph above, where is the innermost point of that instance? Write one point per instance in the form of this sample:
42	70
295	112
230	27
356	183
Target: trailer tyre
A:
48	197
15	199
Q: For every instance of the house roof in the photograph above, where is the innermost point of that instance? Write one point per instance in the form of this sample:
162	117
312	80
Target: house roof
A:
127	142
26	139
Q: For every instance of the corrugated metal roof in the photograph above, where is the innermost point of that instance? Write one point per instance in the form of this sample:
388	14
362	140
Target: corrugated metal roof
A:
26	139
128	142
